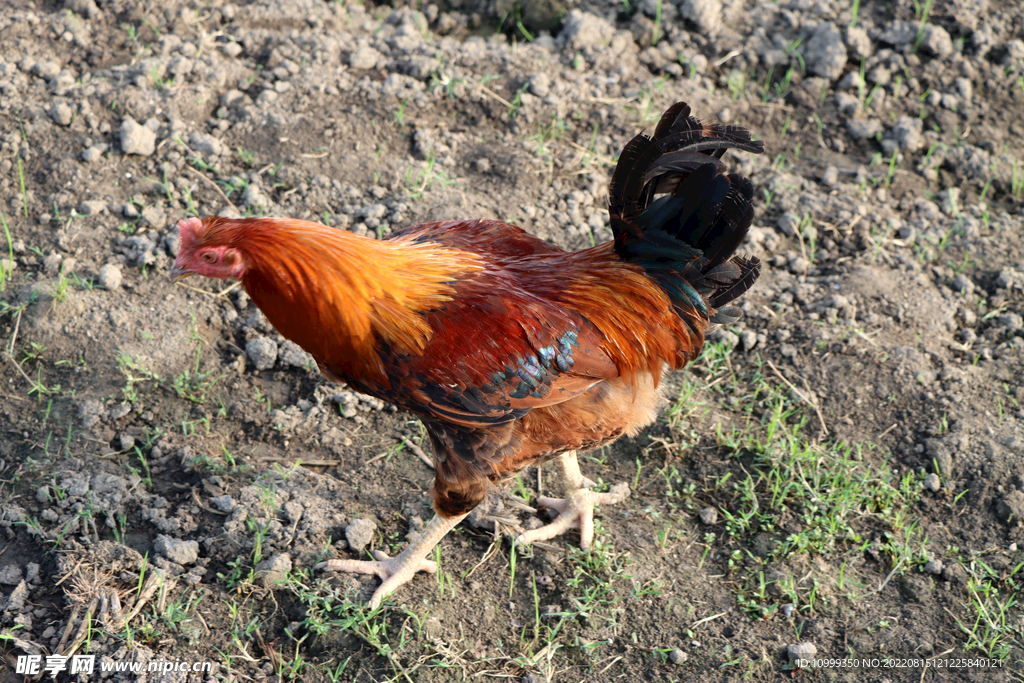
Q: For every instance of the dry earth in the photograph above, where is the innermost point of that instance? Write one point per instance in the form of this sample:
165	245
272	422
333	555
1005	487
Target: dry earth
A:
842	473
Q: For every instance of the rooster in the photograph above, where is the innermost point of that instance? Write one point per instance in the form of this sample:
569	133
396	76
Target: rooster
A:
512	351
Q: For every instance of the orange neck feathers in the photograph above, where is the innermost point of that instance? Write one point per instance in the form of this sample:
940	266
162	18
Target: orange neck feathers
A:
336	294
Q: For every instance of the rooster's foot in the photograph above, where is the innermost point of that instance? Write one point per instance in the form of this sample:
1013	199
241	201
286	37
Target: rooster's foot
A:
575	510
396	571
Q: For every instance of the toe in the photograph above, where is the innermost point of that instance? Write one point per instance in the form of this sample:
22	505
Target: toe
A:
355	567
559	505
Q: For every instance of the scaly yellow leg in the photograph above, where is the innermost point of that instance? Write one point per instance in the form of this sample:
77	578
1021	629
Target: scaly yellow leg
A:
396	571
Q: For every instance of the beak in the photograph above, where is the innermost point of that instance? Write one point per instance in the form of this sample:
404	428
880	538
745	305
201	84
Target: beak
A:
179	273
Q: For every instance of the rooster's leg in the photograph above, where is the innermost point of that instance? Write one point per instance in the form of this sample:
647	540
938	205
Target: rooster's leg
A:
577	508
396	571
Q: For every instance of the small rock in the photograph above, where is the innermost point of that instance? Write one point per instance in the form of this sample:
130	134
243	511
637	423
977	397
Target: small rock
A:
206	145
936	41
907	133
154	217
62	113
1013	322
582	30
1011	508
291	354
851	81
963	284
253	196
677	656
89	412
16	600
293	510
91	207
706	14
47	69
880	75
858	42
825	54
176	550
954	573
830	176
364	58
51	264
932	482
120	410
748	339
763	545
172	244
998	562
136	138
181	66
11	575
1007	277
773	58
788	224
93	153
374	213
708	516
724	336
965	89
805	650
847	104
223	503
798	265
262	351
359	533
862	129
900	34
540	84
950	199
274	570
940	454
933	567
915	588
23	620
110	276
232	98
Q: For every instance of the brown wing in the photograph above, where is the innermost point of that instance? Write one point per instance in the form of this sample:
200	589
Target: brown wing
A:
493	356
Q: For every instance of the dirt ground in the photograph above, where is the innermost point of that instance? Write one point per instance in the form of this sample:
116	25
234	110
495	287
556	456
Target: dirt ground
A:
839	478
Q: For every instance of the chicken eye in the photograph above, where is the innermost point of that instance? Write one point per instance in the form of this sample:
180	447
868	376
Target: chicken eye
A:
209	257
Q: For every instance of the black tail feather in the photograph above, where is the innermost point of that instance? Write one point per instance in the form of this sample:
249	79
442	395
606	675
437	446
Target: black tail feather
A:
701	214
749	270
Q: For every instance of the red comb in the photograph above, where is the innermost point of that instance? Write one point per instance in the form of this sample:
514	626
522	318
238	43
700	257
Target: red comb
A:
189	229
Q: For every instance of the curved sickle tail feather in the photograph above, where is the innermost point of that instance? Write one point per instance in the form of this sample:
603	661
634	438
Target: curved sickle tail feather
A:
676	211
